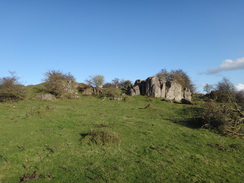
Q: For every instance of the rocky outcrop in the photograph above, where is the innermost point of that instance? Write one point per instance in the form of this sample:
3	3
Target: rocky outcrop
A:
159	87
70	87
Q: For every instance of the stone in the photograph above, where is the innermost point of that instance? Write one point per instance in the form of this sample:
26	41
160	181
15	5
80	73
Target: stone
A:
135	90
155	87
174	91
46	96
117	98
187	94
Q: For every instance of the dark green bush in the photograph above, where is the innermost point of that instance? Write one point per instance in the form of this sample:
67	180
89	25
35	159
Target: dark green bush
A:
11	90
214	115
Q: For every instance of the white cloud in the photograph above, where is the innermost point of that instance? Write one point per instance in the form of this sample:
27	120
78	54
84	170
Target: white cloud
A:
240	87
228	65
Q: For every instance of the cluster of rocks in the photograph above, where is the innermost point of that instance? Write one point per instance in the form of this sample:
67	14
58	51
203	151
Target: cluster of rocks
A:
159	87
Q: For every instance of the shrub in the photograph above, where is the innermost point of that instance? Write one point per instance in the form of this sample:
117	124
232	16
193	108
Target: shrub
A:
110	92
11	89
214	115
179	76
125	84
240	96
60	84
223	117
226	91
109	85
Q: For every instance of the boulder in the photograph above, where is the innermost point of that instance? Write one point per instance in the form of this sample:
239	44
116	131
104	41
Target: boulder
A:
117	98
187	94
135	90
155	87
46	96
174	91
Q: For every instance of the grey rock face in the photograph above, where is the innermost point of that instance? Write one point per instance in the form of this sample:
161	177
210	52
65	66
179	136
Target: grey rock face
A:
158	87
135	90
155	87
174	91
187	94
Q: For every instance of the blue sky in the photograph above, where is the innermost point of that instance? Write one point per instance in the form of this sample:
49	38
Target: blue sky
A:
127	39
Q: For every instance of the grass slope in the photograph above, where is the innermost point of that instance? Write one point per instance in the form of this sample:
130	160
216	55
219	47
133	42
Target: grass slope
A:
49	142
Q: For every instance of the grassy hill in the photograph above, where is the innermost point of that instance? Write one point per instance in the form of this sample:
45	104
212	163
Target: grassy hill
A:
100	140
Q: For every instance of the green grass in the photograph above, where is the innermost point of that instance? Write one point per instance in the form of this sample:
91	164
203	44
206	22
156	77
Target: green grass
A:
157	143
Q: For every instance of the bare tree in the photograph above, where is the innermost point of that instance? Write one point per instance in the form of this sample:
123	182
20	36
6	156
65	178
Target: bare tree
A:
96	81
208	88
226	90
116	82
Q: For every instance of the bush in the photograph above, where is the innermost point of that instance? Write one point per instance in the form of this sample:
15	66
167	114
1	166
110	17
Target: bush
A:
11	90
109	92
179	76
60	84
214	115
109	85
223	117
225	91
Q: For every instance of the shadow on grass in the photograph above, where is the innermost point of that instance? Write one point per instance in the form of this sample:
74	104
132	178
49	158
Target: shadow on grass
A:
189	117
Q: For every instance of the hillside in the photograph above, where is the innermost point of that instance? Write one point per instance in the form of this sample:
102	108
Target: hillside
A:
100	140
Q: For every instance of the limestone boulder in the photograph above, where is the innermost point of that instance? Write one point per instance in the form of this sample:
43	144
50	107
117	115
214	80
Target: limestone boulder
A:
187	94
155	87
174	91
135	90
46	96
